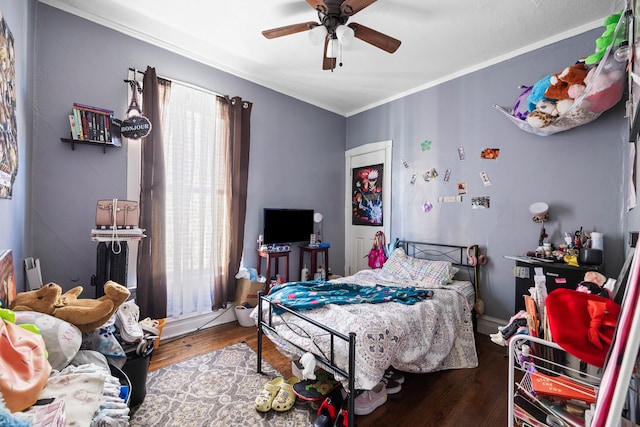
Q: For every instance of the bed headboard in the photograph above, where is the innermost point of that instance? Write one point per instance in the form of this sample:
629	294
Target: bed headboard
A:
463	257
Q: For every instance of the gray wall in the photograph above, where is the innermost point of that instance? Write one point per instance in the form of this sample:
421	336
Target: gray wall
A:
297	150
580	172
297	154
13	212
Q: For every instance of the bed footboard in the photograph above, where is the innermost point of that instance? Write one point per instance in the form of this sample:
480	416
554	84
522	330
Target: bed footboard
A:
330	362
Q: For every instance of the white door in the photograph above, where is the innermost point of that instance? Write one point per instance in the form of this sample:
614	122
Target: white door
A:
359	238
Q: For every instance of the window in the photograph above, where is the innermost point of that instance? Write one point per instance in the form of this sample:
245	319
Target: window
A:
197	199
196	211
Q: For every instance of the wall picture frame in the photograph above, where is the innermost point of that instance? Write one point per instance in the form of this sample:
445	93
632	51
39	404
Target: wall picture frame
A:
366	195
8	122
7	279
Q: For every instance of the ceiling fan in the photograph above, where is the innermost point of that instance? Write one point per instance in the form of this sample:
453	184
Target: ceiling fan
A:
333	28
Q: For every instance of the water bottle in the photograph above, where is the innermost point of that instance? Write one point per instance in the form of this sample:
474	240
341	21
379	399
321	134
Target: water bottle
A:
304	274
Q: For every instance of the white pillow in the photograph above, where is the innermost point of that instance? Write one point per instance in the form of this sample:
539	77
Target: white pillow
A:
62	339
427	272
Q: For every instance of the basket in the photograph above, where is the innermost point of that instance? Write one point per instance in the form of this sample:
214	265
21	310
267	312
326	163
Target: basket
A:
161	323
244	316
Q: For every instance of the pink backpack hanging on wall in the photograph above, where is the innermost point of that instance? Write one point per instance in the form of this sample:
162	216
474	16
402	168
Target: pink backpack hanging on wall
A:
377	255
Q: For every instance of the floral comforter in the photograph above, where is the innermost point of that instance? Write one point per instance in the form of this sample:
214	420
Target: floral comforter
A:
431	335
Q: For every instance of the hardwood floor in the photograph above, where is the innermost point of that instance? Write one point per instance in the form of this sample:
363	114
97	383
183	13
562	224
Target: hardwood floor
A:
474	397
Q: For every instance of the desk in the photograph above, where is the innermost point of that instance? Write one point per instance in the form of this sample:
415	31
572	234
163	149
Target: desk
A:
313	252
271	255
557	274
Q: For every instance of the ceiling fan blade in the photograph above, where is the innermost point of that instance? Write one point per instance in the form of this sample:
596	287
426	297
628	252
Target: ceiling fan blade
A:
375	38
351	7
289	29
327	63
318	5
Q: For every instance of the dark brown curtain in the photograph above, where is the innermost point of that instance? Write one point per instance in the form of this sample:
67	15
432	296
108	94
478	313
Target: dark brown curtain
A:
152	278
239	142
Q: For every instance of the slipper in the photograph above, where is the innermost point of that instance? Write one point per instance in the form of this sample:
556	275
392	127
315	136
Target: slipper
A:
317	389
286	398
268	393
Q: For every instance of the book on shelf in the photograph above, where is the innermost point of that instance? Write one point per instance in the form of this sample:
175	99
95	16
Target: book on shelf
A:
74	129
95	124
560	387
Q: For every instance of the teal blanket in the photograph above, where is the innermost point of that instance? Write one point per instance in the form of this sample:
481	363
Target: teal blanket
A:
313	294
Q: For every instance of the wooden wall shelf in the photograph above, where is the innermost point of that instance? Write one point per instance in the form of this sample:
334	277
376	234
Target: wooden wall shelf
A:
102	144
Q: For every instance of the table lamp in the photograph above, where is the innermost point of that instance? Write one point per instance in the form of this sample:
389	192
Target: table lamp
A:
317	218
540	212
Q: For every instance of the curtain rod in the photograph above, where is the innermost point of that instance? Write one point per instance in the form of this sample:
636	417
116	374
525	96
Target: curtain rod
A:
192	86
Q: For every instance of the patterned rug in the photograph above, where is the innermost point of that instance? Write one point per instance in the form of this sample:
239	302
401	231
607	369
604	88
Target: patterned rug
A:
215	389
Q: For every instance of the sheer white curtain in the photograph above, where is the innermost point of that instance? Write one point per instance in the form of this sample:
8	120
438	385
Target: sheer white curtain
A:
197	199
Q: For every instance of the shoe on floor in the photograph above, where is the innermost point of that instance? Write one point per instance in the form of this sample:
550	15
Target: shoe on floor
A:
127	322
394	375
330	408
150	326
286	398
392	386
369	400
264	399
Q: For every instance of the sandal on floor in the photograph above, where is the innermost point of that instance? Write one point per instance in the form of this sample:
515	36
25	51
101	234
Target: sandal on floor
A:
268	394
286	398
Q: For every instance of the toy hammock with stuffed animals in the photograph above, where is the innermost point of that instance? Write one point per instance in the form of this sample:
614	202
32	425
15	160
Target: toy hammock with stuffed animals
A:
580	93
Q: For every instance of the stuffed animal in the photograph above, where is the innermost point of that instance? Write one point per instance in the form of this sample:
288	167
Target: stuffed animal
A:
594	283
604	88
86	314
608	38
543	115
557	89
537	92
569	83
308	361
563	105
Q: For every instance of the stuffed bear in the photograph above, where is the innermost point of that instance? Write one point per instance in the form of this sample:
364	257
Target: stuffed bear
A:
86	314
557	90
569	83
544	114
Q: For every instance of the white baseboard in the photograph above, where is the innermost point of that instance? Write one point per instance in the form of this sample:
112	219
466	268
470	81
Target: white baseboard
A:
486	324
177	328
489	325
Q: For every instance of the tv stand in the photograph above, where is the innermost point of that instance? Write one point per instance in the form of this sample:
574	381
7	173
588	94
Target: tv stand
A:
273	255
314	251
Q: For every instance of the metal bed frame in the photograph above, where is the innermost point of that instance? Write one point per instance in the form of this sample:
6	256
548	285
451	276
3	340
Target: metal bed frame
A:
457	255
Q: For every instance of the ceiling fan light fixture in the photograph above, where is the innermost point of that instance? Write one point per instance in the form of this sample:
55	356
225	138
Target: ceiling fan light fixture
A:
318	34
332	48
345	34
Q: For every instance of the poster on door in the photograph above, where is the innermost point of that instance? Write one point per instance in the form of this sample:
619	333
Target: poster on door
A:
366	195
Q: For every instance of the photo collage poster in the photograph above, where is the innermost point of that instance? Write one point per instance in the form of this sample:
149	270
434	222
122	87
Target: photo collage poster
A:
8	125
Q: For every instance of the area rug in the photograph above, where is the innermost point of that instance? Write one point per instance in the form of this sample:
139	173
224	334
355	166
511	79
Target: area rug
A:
215	389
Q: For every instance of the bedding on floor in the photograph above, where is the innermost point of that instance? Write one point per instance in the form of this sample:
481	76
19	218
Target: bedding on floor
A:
433	334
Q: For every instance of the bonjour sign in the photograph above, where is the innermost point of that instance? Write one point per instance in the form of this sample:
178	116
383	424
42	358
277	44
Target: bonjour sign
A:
135	127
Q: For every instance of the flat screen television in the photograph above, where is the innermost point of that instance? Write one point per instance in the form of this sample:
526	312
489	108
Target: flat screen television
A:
287	225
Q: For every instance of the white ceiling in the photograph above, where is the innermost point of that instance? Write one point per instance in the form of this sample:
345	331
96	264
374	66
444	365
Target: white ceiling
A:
441	39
